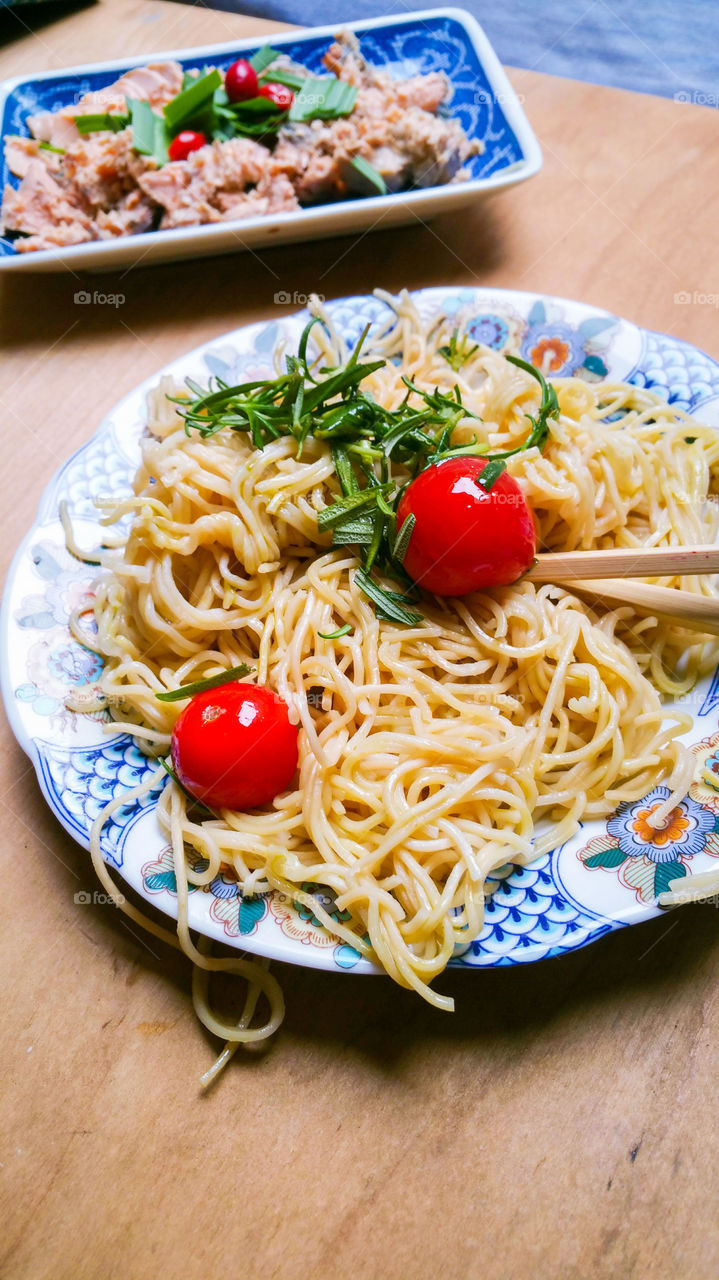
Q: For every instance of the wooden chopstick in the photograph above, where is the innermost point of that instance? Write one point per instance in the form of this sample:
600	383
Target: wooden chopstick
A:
698	613
624	562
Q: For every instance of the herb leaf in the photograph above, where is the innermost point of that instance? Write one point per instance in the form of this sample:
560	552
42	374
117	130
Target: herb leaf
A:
458	351
387	603
193	799
372	180
262	59
323	99
335	635
367	442
199	686
100	120
180	110
401	542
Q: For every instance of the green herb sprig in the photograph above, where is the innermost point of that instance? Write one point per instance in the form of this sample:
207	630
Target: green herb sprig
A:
199	686
458	351
376	451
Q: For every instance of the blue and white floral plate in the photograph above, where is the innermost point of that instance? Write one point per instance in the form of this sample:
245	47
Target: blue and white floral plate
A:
448	40
608	876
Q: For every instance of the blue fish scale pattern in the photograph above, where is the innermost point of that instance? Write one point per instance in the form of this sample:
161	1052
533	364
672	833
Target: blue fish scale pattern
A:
528	918
82	780
683	375
405	48
98	470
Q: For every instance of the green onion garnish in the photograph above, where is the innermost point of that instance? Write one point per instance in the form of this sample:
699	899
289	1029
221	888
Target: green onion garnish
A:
278	75
371	178
150	134
101	120
188	102
458	351
323	99
199	686
262	59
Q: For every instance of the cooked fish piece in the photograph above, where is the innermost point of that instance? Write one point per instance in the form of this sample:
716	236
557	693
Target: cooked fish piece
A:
157	84
102	167
20	151
41	207
133	214
393	126
215	180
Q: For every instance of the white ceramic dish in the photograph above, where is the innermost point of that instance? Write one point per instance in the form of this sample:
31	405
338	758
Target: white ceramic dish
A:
437	39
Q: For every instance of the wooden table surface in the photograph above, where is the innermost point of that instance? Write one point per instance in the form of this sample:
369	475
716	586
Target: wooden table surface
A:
560	1124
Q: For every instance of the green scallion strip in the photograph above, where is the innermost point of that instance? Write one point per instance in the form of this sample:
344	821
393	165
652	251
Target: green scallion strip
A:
278	75
189	101
99	121
335	635
323	99
199	686
144	123
372	178
47	146
262	59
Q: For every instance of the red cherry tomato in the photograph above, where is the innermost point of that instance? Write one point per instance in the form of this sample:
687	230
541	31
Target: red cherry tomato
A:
466	539
233	747
277	93
185	142
241	81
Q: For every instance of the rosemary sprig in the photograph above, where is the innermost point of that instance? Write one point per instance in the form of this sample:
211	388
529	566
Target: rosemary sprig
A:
346	630
199	686
187	794
368	444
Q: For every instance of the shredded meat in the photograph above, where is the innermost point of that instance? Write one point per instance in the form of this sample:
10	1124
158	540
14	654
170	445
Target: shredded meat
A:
96	186
393	126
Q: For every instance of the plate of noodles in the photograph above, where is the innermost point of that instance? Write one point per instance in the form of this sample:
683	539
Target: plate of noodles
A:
482	779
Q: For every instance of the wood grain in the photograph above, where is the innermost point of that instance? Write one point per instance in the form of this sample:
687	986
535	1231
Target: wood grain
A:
560	1125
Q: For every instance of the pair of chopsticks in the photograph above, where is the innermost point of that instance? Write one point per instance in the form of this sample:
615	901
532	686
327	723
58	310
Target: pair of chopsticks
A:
608	574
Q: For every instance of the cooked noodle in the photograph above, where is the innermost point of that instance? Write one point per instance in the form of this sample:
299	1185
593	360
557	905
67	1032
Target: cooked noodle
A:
428	753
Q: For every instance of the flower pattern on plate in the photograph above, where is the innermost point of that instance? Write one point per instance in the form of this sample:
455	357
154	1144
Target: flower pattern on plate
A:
681	834
546	336
646	857
297	920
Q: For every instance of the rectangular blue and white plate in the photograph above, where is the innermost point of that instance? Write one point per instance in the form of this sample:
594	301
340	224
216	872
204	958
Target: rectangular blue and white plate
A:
447	40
